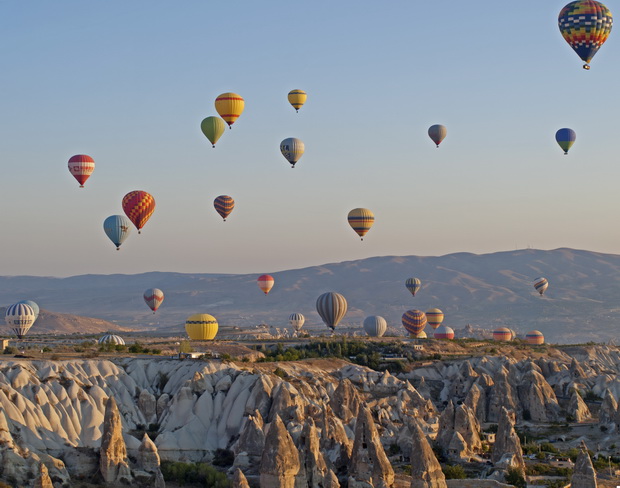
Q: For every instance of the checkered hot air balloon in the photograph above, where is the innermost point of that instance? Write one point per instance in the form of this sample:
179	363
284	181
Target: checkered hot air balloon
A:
81	167
153	298
585	26
138	206
224	205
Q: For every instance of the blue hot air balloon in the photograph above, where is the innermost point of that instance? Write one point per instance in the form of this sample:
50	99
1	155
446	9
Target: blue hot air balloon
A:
117	228
565	139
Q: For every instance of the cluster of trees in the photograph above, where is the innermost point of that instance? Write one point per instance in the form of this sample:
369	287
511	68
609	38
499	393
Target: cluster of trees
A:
197	474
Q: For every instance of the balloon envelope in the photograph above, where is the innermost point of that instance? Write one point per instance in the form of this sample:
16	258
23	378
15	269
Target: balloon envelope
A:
332	307
297	321
213	128
419	335
534	337
292	149
81	167
413	285
444	332
111	339
229	106
541	284
565	139
265	283
361	220
435	317
201	327
153	298
414	321
117	228
224	205
503	334
585	26
33	305
375	326
437	133
297	98
19	317
138	205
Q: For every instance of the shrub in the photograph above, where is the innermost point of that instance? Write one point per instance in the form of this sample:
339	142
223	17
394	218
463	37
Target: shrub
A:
515	478
455	472
223	458
10	350
194	473
280	372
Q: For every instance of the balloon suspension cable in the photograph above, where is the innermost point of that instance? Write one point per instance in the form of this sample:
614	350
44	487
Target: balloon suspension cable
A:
586	66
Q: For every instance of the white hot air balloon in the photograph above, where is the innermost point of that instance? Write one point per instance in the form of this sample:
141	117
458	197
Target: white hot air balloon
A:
292	149
297	321
375	326
20	317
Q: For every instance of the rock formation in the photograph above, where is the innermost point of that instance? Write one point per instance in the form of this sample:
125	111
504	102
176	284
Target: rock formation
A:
113	462
148	462
280	461
507	448
577	408
317	473
43	480
502	395
345	401
369	463
239	480
608	408
584	475
537	398
425	469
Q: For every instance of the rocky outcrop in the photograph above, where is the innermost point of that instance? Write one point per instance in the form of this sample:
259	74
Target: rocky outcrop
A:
279	464
608	408
507	448
251	441
577	408
43	480
459	420
345	401
149	463
148	406
502	395
370	466
113	463
476	400
537	398
239	480
317	473
425	469
584	475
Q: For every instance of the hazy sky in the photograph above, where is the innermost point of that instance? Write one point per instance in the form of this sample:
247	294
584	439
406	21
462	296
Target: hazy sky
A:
129	83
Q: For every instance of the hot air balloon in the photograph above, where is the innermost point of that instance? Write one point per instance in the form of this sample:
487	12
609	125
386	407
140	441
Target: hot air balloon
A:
117	228
229	106
435	317
224	205
138	206
297	98
444	332
33	305
565	139
265	283
585	26
153	298
331	306
437	133
503	334
541	284
20	318
81	167
213	128
419	335
297	321
361	220
413	285
292	149
534	337
375	326
201	327
414	321
111	339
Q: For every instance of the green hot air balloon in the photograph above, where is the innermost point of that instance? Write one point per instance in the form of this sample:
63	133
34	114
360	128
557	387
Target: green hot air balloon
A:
213	128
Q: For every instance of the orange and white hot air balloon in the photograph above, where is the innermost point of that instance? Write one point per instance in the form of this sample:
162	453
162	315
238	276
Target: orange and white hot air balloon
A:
229	106
138	206
81	167
265	283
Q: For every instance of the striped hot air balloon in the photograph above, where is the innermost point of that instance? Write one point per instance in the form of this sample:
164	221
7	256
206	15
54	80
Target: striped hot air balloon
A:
111	339
435	317
201	327
565	139
34	306
117	228
20	317
413	285
444	332
361	220
153	298
534	337
503	334
541	284
138	205
224	205
265	283
414	321
297	98
585	26
332	307
437	133
229	106
292	149
213	128
297	321
375	326
81	167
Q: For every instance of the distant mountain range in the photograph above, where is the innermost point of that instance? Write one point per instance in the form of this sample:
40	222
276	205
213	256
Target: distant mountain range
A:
582	302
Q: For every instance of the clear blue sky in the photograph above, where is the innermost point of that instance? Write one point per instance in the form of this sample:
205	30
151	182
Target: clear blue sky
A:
129	82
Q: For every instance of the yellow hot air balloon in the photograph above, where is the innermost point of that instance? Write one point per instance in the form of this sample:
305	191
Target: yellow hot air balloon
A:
229	106
361	220
297	98
435	317
201	327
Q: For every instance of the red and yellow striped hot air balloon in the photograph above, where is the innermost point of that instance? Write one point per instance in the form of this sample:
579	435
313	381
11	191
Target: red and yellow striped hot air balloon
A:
81	167
414	321
265	283
361	220
535	337
138	206
435	317
224	205
229	106
503	334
